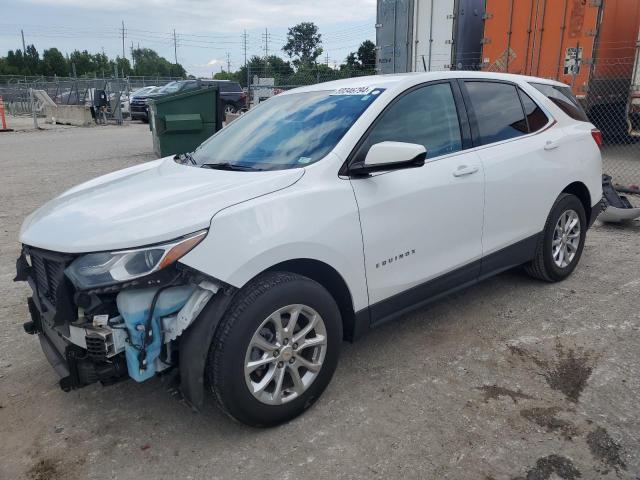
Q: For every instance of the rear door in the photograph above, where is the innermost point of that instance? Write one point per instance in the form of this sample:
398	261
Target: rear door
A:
520	155
421	223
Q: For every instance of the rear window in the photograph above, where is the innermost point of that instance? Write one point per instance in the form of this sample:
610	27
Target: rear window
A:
564	99
498	111
229	87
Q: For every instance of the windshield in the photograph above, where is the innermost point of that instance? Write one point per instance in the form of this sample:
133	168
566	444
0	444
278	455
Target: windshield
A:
287	131
170	87
142	91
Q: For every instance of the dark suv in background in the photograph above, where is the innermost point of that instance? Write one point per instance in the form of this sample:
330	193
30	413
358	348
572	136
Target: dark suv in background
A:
231	94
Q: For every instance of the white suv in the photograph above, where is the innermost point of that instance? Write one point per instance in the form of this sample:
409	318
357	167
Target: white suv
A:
323	212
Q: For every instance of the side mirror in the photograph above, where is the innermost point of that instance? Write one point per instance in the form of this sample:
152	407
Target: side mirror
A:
386	156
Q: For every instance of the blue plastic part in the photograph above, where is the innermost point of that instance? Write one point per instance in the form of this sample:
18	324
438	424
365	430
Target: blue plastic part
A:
134	307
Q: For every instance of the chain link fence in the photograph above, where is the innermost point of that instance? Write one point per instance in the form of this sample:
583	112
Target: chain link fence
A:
16	92
610	95
609	92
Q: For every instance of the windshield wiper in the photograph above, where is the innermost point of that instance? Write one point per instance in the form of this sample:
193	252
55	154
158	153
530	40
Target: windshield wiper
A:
186	158
231	166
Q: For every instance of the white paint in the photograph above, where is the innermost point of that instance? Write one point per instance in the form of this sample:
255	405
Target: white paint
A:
259	219
385	153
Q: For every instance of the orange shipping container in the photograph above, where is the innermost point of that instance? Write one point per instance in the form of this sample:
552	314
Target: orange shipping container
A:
585	43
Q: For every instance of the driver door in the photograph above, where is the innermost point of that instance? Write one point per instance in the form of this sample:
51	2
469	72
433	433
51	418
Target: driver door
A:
421	227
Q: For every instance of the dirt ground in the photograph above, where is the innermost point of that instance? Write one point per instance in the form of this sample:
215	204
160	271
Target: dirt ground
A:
511	379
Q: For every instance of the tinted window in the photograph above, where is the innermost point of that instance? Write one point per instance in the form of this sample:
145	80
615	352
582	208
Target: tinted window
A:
426	116
564	99
229	87
190	85
498	111
535	116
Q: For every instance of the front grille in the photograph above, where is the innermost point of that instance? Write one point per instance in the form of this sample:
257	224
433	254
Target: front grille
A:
48	275
96	346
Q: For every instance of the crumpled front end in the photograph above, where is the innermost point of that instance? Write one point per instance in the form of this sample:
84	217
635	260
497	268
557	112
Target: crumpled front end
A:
110	333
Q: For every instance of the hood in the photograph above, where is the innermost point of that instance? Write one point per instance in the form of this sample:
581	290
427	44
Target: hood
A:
149	203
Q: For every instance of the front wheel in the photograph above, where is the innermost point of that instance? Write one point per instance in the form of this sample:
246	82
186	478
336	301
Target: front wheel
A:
560	246
275	350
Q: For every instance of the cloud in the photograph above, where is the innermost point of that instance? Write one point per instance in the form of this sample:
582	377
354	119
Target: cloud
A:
214	62
228	16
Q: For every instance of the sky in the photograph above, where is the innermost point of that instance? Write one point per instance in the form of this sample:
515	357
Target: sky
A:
206	30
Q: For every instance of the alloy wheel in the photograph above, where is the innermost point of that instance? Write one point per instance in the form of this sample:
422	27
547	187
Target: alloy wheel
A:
566	238
285	354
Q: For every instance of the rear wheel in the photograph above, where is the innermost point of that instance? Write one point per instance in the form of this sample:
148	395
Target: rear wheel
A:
560	247
275	350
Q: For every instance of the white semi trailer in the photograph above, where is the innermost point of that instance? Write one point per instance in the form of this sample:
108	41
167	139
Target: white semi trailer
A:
427	35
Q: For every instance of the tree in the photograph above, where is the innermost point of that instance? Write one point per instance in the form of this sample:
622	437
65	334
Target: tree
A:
364	60
367	55
15	62
83	61
31	60
54	63
124	67
303	44
148	62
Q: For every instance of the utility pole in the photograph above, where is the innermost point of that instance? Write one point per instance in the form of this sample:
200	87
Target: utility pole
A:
228	63
326	59
246	67
123	56
266	50
175	46
244	42
133	60
24	48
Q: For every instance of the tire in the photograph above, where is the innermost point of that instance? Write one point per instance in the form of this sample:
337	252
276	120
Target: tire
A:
547	266
227	364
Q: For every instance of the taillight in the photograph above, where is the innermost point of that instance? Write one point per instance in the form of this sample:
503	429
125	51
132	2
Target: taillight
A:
597	136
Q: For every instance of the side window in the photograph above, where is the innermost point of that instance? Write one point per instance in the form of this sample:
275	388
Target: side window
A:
426	116
564	99
535	116
498	111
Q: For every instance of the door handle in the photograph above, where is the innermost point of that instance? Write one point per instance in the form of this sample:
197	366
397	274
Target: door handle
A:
465	170
551	145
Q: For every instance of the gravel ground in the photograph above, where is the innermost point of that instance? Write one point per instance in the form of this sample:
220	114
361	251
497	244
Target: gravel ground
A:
510	379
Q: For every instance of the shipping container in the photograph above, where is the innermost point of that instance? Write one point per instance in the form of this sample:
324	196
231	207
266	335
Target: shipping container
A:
426	35
588	44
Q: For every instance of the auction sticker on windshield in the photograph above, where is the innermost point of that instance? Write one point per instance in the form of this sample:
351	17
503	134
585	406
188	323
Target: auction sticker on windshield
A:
354	91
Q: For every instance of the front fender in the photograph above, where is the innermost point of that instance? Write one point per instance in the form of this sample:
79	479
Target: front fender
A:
314	219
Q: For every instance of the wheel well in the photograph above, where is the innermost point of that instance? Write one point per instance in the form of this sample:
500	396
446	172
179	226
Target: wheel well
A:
330	279
581	191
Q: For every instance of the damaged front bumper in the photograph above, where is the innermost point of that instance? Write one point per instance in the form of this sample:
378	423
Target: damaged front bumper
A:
110	334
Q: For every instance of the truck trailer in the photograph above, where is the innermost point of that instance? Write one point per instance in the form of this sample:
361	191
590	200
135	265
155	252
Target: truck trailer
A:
428	35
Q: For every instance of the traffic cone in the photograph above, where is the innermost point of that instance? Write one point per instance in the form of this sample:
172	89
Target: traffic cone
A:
2	118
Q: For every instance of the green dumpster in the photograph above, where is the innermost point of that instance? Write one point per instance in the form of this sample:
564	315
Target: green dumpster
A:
181	122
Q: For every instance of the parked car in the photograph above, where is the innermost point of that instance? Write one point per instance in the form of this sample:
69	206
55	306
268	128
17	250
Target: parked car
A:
142	91
234	99
321	213
231	94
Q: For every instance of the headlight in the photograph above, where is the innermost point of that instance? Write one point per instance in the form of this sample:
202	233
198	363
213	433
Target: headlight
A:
108	268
